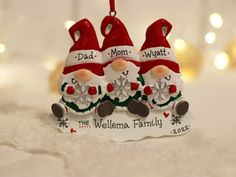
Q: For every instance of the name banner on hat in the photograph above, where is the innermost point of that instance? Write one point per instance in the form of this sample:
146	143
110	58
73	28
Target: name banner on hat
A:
83	56
119	51
156	53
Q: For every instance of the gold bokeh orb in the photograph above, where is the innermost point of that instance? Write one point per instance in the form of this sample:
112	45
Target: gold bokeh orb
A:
190	60
54	76
230	50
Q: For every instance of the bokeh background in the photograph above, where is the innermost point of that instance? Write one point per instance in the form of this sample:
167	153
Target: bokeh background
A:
34	42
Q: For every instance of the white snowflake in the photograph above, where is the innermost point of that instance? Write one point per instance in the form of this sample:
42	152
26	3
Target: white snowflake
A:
82	95
122	87
160	91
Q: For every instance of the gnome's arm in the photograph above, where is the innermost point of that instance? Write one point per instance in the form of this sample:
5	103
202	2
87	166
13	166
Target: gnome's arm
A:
147	90
67	89
172	89
134	86
138	85
95	90
110	87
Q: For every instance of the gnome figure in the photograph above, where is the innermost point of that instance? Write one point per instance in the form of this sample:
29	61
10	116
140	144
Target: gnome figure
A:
82	80
121	66
160	71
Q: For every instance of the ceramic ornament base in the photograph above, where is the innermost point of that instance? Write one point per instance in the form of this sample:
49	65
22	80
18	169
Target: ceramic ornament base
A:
122	126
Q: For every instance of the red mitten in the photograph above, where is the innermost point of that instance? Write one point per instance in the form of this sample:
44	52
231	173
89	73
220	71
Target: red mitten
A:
147	90
92	90
70	90
110	87
134	86
172	88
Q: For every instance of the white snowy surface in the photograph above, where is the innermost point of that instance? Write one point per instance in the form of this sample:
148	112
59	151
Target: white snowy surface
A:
29	145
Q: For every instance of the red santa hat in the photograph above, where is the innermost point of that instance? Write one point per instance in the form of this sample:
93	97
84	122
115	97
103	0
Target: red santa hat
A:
85	52
156	49
117	42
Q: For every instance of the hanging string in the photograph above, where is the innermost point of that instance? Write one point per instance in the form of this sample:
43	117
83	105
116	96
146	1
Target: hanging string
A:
112	8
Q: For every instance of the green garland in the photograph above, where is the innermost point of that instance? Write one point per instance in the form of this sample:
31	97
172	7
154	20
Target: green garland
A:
122	103
74	107
141	80
63	86
144	97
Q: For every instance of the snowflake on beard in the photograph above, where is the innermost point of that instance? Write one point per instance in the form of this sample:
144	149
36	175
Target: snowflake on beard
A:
122	87
82	95
160	90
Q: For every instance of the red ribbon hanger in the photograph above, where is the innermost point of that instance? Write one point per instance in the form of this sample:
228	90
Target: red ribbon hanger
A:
112	8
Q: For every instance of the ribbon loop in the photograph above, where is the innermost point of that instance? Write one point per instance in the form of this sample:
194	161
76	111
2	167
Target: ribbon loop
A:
112	8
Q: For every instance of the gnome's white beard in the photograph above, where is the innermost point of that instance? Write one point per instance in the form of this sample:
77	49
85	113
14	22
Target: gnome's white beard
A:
131	73
160	87
121	80
96	80
81	96
175	78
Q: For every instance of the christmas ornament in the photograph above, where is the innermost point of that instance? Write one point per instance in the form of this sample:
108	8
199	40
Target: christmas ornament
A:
121	66
160	71
134	94
230	49
81	82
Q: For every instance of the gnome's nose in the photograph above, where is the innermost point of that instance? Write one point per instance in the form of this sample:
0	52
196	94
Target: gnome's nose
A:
119	64
160	71
84	75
